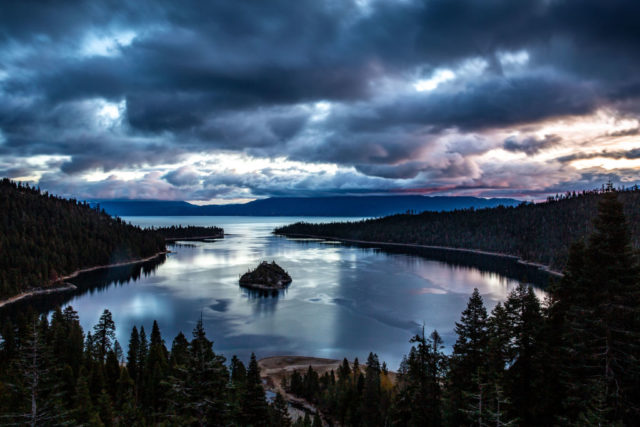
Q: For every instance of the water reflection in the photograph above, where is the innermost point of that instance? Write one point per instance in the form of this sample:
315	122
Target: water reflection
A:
91	282
263	302
344	300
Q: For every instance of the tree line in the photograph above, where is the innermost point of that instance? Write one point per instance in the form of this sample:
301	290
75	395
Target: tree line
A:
185	232
541	232
44	237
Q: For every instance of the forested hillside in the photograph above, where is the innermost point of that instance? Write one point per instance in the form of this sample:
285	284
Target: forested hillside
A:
189	232
539	232
570	361
43	237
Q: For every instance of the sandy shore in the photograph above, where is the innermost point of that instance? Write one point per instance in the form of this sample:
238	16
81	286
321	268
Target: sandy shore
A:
69	286
539	266
273	369
276	367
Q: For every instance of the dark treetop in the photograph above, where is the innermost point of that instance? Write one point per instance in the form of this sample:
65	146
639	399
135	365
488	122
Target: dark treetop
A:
266	276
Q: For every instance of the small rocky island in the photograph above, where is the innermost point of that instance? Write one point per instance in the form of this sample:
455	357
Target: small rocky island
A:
266	277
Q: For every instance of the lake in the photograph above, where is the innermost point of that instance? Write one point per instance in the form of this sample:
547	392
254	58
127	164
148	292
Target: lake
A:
344	300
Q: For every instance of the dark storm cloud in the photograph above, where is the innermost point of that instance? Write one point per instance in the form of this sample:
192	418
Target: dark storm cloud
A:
618	154
193	77
531	145
491	102
182	177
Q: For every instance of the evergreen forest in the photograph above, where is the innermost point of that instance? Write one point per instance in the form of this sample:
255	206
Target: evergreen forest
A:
188	232
572	359
541	232
44	237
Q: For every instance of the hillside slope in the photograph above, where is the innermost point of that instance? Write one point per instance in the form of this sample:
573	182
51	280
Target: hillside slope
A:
539	232
43	237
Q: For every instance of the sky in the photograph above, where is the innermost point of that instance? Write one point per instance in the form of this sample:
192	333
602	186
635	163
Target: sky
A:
229	101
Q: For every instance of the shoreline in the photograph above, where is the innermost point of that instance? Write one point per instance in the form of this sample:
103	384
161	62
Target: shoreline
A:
71	286
175	239
516	258
36	292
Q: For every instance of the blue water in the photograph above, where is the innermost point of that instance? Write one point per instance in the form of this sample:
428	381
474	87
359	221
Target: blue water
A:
344	301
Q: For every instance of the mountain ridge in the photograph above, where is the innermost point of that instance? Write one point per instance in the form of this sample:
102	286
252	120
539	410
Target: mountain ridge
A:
347	206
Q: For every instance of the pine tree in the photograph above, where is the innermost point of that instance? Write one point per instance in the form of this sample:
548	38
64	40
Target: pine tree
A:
280	411
522	379
104	333
157	341
73	346
419	396
198	390
156	370
499	355
237	387
344	371
179	351
371	414
38	390
255	405
468	368
143	352
132	353
238	371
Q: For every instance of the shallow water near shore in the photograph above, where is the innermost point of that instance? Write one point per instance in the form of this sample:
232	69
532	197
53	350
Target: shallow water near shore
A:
344	301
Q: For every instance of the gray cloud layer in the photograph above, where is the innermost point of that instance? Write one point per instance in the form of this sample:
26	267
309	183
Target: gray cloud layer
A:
112	85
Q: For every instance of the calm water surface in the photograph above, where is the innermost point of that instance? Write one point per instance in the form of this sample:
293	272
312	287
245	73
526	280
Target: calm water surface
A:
343	301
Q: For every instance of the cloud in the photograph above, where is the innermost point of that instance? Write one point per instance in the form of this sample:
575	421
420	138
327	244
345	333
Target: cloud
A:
113	87
625	132
617	154
183	176
531	145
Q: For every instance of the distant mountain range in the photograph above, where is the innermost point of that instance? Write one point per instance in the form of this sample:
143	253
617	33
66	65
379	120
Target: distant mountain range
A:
367	206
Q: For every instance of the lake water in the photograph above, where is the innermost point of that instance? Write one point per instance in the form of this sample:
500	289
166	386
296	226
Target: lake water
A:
343	301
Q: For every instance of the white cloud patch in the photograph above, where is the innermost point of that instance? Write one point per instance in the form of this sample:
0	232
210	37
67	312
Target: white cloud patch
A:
438	77
107	44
